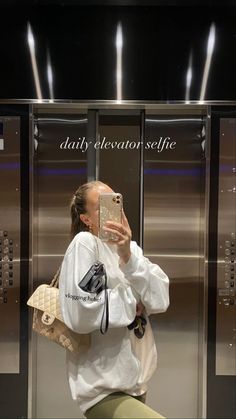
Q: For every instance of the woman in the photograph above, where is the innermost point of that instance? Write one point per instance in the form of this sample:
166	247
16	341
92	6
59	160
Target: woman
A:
110	379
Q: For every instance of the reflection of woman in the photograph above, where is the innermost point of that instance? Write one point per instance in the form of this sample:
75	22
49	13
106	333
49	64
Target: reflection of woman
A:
109	380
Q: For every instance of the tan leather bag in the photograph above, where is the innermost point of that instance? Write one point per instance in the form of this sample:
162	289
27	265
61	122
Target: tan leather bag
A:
48	321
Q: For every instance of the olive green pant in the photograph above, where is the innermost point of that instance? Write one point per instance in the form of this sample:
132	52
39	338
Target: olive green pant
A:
122	405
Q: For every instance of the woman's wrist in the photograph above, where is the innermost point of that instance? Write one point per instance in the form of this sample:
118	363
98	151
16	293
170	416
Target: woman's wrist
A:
125	258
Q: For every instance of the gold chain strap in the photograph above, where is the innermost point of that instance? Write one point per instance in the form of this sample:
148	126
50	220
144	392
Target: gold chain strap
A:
55	279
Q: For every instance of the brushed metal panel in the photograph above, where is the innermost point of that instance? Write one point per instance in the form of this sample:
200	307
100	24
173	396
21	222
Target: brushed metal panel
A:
120	167
226	261
10	251
57	174
174	188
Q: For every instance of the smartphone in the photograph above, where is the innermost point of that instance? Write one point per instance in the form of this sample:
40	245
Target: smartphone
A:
110	209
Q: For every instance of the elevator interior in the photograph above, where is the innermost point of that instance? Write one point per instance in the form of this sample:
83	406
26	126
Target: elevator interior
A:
164	189
166	194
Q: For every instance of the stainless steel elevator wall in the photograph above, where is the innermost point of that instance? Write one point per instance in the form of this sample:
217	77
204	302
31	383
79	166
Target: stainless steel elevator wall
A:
174	182
226	288
58	172
10	245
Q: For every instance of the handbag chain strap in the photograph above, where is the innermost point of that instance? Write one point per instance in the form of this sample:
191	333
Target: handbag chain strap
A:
55	279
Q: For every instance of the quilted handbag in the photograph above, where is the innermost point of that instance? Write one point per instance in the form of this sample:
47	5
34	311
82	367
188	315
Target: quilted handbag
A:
48	321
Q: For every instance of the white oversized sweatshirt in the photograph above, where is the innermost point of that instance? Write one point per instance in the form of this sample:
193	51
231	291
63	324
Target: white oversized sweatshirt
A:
117	360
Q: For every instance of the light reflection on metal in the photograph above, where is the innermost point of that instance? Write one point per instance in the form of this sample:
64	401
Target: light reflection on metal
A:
31	44
50	76
210	49
189	77
119	46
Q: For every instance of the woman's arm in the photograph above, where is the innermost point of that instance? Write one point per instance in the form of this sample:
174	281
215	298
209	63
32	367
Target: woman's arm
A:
80	312
148	279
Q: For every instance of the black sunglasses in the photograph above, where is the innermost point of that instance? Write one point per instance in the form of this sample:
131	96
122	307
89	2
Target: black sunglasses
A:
138	325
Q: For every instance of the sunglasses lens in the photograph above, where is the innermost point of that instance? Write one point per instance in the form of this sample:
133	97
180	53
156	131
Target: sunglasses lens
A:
138	325
143	320
133	324
139	332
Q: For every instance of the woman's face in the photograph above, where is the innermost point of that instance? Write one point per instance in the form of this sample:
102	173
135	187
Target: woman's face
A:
91	216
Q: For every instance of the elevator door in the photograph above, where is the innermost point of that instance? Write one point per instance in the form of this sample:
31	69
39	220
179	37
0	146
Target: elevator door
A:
174	193
59	169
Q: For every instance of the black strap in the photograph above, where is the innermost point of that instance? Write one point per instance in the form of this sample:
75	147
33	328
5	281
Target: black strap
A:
106	307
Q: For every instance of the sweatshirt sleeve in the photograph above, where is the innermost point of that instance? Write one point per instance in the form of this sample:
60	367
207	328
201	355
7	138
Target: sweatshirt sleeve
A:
148	279
82	311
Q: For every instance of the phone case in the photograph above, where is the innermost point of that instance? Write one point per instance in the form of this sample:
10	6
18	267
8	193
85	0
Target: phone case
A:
110	206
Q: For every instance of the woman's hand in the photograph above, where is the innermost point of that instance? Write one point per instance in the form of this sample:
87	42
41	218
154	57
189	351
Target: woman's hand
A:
123	232
139	308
